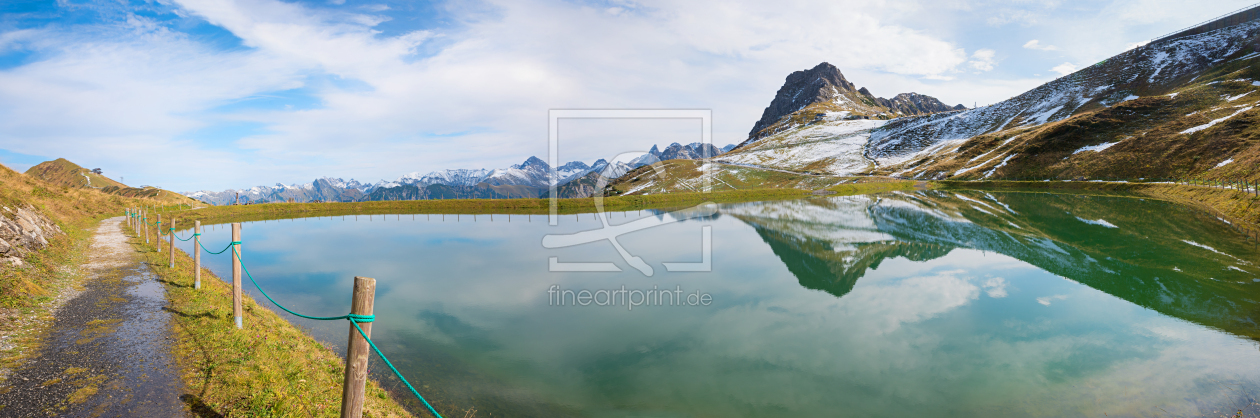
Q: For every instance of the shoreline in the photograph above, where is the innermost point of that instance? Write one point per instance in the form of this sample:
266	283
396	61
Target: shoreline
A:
270	367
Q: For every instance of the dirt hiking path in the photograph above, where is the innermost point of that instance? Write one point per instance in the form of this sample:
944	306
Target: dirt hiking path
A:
107	353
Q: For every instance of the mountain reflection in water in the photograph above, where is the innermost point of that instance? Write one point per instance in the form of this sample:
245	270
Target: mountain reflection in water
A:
1110	243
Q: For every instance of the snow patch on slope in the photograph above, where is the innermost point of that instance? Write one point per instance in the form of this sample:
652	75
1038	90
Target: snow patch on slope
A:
1098	222
1096	148
1214	122
844	142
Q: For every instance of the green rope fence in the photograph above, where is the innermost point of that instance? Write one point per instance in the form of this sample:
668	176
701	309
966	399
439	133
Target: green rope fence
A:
353	318
229	246
183	239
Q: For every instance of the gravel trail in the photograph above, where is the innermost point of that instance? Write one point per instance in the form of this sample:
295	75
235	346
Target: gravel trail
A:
107	354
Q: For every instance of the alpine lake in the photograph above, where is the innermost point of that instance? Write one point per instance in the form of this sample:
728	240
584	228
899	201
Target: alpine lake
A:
927	303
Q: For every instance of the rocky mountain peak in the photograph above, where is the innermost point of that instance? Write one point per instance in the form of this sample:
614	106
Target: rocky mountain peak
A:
916	104
573	165
534	162
823	89
822	83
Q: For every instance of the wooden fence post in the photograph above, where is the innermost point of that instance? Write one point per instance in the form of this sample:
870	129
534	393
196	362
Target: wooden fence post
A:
158	227
196	254
171	231
236	274
357	351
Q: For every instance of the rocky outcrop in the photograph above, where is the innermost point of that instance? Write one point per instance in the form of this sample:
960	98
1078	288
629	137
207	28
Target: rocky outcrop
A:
23	231
580	187
823	89
694	151
911	104
822	83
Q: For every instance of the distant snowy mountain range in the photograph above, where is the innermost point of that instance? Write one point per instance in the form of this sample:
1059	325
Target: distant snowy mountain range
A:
527	179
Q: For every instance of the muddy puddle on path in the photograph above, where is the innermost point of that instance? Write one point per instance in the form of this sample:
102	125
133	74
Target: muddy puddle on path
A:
106	355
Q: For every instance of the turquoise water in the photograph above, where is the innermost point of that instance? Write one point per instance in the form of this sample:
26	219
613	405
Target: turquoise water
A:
929	303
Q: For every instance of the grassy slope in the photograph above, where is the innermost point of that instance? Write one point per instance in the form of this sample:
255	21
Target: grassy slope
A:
673	176
73	209
62	172
1147	132
270	368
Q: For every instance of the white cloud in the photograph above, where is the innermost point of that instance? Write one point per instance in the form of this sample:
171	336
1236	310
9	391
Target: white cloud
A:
983	59
1046	300
1064	68
995	287
1137	44
380	110
1023	17
382	103
1035	44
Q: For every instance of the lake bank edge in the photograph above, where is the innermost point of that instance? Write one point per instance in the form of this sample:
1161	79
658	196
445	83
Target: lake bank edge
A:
270	367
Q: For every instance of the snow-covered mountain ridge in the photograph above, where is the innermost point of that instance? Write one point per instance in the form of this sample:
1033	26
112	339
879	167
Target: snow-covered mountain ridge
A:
1179	108
527	179
1148	70
1166	109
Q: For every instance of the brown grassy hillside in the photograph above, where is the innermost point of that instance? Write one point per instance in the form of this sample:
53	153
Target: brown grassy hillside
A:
1184	132
73	210
64	173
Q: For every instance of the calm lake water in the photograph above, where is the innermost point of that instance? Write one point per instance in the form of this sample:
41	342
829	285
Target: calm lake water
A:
902	304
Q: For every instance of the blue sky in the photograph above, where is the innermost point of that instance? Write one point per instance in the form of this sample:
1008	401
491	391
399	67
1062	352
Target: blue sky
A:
215	94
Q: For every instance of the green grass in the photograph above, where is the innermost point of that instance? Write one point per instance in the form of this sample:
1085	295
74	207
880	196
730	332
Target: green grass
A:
876	187
674	176
246	213
27	293
268	369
